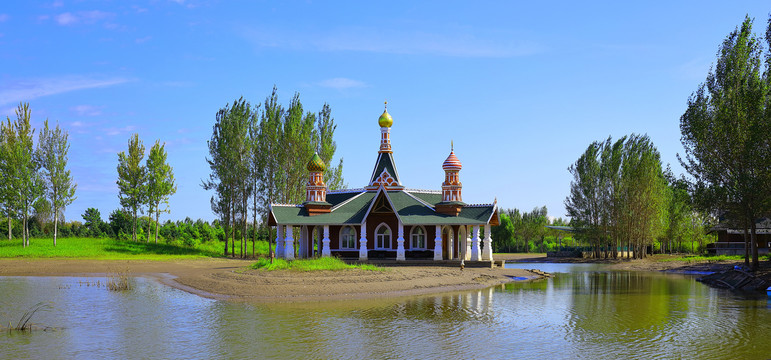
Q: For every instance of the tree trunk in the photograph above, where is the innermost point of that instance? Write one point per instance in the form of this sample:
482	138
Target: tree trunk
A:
134	227
233	232
753	240
10	229
56	220
149	223
746	246
157	214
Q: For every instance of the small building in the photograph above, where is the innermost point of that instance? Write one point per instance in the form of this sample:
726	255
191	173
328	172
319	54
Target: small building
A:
730	240
385	219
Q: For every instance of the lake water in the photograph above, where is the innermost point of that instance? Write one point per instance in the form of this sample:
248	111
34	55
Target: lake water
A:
583	312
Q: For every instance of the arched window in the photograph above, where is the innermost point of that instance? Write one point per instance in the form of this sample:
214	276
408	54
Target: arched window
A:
383	237
418	238
348	237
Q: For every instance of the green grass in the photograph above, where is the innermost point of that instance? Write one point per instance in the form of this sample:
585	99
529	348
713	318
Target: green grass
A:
107	249
694	258
324	263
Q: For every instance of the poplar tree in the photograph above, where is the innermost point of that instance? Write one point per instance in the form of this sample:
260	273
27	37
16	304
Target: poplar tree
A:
8	182
132	175
725	133
52	153
617	195
160	184
27	179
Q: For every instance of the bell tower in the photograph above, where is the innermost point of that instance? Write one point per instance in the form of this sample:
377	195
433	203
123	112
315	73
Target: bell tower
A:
315	190
452	201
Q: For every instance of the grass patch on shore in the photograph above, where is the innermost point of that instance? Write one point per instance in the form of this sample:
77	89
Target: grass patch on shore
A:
324	263
716	258
102	248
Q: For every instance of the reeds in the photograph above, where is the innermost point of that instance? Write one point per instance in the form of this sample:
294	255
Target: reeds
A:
25	323
119	281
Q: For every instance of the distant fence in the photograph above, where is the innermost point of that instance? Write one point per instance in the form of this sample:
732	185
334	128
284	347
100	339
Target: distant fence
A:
730	248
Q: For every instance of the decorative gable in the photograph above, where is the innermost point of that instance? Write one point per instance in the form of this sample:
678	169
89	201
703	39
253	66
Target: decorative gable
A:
386	180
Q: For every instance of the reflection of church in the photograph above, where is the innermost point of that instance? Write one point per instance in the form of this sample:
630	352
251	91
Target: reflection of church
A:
384	219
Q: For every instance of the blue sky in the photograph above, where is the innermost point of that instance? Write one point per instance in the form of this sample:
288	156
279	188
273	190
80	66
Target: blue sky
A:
521	88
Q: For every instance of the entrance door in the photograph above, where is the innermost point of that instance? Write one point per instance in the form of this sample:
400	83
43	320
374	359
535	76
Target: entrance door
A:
447	243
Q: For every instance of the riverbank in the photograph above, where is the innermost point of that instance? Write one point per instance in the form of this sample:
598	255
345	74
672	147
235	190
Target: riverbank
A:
220	278
658	262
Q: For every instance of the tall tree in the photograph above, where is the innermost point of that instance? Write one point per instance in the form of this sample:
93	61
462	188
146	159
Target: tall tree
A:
617	195
229	152
52	154
132	175
160	183
9	181
28	180
725	133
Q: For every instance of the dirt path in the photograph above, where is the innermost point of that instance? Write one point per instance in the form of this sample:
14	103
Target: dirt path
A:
231	279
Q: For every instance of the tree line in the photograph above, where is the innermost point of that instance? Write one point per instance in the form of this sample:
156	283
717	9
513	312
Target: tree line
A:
257	156
619	196
144	187
521	231
726	133
35	179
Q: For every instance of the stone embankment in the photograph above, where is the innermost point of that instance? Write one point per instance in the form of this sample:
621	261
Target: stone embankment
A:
735	279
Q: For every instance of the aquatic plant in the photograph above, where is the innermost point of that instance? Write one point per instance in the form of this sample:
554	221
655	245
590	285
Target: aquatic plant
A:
119	281
25	323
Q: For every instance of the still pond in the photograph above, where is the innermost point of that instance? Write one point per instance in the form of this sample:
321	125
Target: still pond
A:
585	311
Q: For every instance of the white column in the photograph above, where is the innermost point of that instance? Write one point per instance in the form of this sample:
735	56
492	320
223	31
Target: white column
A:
475	245
400	243
289	244
468	244
279	241
363	243
487	250
438	243
325	251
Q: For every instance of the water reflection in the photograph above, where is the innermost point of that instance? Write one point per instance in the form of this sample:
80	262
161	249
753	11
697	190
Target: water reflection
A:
586	313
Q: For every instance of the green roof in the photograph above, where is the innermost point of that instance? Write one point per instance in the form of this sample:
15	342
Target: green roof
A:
351	207
385	161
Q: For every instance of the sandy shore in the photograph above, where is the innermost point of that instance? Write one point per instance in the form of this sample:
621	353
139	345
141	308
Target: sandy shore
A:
231	279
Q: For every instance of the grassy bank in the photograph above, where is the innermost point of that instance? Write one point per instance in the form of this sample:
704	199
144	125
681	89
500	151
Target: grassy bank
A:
101	248
327	263
700	259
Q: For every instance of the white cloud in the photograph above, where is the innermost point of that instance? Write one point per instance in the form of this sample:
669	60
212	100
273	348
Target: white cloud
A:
25	90
117	131
341	83
143	40
77	124
86	110
66	19
86	17
393	41
4	17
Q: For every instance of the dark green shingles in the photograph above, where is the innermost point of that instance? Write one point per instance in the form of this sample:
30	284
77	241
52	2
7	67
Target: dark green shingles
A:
385	161
410	210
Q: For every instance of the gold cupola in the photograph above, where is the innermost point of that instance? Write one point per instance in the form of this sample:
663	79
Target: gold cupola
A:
385	120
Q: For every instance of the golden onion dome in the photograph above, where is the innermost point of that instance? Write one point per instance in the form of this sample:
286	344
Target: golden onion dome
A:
316	164
385	120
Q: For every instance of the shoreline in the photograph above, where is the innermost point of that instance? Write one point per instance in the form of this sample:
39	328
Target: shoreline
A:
231	279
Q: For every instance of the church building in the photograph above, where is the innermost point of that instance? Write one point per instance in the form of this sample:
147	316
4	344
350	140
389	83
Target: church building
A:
384	219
